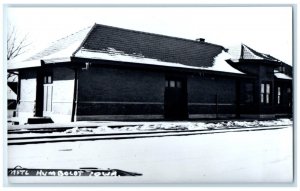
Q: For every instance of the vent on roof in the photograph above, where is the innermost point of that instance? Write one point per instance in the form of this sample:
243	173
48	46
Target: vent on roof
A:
200	39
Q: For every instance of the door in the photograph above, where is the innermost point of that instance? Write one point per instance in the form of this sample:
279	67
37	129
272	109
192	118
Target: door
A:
48	93
39	94
175	99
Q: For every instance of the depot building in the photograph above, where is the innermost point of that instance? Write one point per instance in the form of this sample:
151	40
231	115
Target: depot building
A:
110	73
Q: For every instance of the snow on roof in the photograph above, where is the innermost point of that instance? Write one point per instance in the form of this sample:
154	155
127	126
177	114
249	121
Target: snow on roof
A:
235	51
62	46
114	55
221	65
59	51
151	45
281	75
27	64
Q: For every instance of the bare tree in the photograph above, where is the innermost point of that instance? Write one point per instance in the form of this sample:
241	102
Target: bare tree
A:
16	45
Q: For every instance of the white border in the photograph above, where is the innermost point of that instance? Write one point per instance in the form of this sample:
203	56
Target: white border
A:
211	2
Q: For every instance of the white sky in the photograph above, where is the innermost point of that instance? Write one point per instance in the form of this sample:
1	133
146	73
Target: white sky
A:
265	29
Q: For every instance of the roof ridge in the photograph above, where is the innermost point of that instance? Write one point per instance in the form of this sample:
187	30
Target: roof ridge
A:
85	38
262	55
52	48
256	53
252	51
156	34
71	34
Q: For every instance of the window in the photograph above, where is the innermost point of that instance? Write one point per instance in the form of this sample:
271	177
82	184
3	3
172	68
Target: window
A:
278	95
178	84
281	69
262	93
265	91
48	92
167	83
48	79
289	91
173	83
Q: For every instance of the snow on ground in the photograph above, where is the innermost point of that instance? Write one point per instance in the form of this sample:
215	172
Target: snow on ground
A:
122	127
236	157
115	127
221	65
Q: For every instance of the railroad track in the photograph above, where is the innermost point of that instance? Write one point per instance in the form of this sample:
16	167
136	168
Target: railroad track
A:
38	139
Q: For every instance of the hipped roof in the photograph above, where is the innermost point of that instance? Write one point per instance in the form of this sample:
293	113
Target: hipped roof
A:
244	52
117	44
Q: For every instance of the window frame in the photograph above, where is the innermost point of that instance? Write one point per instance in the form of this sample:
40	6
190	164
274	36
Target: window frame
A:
278	95
265	93
173	83
48	79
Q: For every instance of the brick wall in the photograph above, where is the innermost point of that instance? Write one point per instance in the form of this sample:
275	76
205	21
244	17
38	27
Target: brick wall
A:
211	97
111	91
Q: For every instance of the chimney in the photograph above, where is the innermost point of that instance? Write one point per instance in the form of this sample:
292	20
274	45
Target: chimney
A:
200	39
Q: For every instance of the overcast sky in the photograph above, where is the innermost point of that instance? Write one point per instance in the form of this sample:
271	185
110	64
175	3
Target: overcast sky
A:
265	29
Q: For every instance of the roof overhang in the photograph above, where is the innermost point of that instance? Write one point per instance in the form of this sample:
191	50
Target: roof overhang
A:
281	76
257	61
36	63
14	66
81	62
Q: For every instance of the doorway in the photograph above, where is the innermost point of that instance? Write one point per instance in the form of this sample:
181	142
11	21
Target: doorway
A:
44	94
175	99
39	94
48	94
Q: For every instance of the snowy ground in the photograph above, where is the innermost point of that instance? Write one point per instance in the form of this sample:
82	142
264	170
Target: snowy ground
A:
234	157
154	126
121	127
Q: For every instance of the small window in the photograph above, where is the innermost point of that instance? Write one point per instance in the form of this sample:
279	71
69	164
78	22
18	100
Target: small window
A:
48	79
262	93
167	83
278	95
262	89
262	98
268	88
282	69
172	84
289	91
265	92
178	84
267	98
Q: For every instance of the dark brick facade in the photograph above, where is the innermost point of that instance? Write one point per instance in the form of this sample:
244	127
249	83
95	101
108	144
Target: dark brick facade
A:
112	91
211	95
